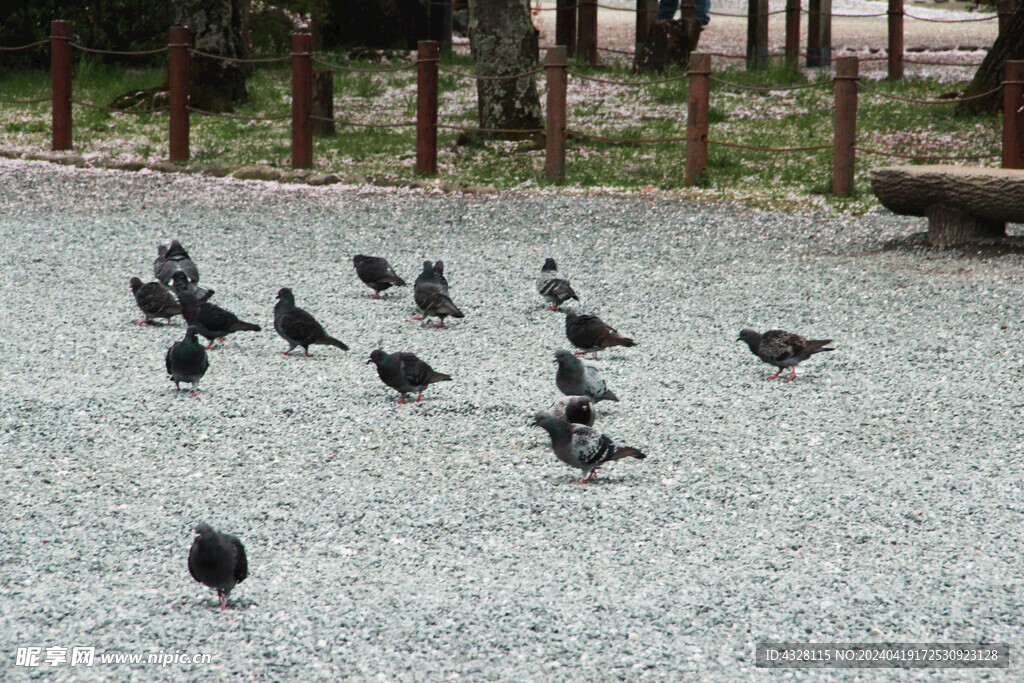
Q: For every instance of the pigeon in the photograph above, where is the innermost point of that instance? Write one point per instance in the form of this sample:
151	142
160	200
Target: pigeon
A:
783	349
172	258
218	561
405	372
156	301
576	378
186	360
590	333
377	273
555	289
581	447
210	320
297	326
430	292
575	409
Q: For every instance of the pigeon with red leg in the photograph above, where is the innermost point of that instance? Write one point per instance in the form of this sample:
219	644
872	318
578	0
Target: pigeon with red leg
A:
156	300
783	349
186	361
210	320
575	409
430	293
555	289
298	327
405	373
591	334
581	447
576	378
377	273
218	561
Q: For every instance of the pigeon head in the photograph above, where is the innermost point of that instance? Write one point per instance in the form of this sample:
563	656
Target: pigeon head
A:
549	265
439	268
161	250
584	405
428	268
135	283
751	337
285	294
377	357
191	333
203	529
565	358
179	281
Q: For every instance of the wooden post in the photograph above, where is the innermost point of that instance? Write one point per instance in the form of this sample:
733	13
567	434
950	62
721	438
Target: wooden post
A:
819	33
588	31
792	33
646	15
557	79
426	108
60	84
895	40
1013	116
757	34
323	103
697	116
302	100
565	25
843	155
178	116
1005	12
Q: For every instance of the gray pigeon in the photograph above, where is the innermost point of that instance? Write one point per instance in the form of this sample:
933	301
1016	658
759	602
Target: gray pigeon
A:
377	273
212	321
405	372
186	360
783	349
581	447
156	301
218	561
590	333
298	327
555	289
575	409
576	378
170	259
431	294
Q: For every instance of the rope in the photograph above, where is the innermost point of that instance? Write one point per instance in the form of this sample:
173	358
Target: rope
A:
612	49
934	63
744	16
555	9
115	52
769	89
43	99
89	105
628	141
868	150
950	21
346	122
735	145
617	9
382	69
491	130
243	118
235	60
24	47
463	74
846	16
950	100
634	84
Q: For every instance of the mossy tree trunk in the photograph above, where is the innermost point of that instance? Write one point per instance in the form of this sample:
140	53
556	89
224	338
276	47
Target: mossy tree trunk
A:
504	42
219	27
1009	45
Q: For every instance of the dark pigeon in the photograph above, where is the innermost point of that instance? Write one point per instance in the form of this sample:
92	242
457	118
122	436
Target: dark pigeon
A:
405	372
377	273
186	361
439	275
590	333
576	378
156	301
297	326
555	289
575	409
218	561
171	259
581	447
783	349
431	295
210	320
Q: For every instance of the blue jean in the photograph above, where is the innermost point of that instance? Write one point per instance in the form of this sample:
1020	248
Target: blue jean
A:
667	10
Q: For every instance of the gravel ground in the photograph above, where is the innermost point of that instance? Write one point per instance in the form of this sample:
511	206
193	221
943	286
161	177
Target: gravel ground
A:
877	497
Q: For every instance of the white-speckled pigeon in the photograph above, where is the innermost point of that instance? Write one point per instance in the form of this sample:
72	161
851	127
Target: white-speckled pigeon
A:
783	349
156	300
210	320
576	378
581	447
555	289
298	327
590	333
405	372
218	561
575	409
377	273
186	361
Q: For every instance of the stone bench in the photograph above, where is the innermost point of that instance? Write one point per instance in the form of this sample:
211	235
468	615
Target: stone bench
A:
961	203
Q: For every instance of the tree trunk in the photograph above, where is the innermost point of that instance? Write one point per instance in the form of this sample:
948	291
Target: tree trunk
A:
504	42
1009	45
219	27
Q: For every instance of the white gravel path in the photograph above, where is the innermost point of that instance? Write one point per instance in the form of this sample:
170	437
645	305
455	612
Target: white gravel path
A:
877	497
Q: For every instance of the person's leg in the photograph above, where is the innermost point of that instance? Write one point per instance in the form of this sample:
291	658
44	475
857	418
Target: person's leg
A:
701	11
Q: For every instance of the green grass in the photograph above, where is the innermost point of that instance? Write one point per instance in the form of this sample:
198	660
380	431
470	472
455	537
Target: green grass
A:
779	118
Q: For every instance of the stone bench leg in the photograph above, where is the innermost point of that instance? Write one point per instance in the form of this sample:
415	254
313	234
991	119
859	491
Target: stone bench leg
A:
949	227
